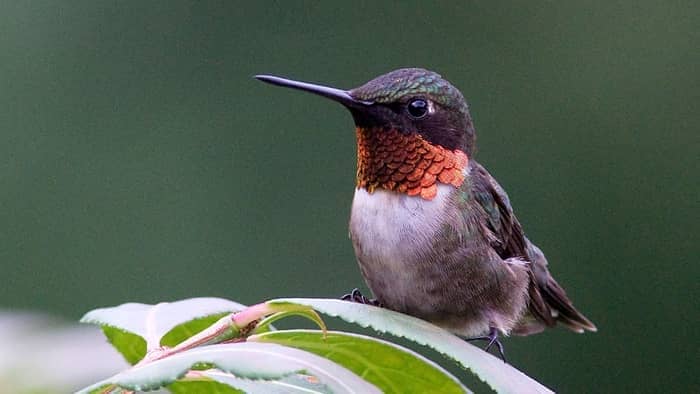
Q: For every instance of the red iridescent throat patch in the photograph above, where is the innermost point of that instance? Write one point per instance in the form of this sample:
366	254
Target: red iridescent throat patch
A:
408	164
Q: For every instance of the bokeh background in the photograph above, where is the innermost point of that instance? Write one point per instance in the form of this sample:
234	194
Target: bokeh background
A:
139	160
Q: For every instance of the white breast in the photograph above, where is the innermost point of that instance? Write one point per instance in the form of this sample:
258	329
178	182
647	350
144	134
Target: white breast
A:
392	227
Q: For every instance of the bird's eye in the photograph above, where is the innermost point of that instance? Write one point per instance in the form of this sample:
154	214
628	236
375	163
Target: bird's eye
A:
417	108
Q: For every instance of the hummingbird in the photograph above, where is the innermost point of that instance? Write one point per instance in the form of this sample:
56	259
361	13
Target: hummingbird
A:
434	233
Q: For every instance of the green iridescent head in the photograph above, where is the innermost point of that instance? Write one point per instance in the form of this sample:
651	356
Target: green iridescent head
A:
406	83
408	100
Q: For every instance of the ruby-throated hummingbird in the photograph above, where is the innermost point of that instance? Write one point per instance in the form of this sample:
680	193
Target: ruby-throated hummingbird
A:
434	234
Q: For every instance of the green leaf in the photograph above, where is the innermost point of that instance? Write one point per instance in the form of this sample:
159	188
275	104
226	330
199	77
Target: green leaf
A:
215	381
203	386
131	346
500	376
304	311
245	360
152	322
185	330
390	367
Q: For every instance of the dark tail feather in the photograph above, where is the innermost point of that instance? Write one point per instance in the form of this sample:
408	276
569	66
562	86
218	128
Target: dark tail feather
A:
556	304
567	315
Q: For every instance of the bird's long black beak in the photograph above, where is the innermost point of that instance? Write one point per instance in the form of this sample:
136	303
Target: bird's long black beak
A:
338	95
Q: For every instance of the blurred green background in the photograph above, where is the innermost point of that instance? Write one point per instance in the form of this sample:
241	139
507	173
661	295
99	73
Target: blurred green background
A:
139	161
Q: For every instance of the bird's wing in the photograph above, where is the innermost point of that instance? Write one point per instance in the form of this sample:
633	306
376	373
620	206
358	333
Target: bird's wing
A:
507	237
548	301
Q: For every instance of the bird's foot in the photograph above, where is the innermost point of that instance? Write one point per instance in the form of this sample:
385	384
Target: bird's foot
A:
356	296
492	339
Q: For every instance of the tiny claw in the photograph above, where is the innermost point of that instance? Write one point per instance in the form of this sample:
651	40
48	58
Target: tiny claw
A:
352	296
356	296
492	337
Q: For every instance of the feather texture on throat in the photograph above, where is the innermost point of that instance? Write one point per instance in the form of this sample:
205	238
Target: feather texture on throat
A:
405	163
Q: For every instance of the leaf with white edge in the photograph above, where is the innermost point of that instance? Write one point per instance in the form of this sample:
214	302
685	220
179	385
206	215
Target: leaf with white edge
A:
392	368
502	377
246	360
214	381
152	322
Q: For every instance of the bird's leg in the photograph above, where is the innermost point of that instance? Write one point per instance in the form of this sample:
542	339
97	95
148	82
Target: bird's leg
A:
492	338
356	296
